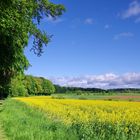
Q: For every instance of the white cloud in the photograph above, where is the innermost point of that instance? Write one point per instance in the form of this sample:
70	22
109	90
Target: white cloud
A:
54	20
133	10
89	21
123	35
106	81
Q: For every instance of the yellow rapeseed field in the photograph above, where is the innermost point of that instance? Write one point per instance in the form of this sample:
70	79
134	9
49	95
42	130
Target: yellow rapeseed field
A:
92	119
85	111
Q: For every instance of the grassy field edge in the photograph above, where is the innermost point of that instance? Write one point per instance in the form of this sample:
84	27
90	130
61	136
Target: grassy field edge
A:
2	134
21	122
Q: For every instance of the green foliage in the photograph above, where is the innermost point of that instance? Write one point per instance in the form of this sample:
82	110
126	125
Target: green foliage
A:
79	92
48	87
38	85
60	89
17	87
30	85
18	22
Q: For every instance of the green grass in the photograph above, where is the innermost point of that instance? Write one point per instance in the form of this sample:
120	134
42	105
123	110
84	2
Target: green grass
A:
97	96
21	122
2	134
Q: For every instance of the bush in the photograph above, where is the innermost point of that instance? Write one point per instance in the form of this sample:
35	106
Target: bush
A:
79	92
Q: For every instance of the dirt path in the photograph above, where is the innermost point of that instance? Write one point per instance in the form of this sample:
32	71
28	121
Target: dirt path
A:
2	136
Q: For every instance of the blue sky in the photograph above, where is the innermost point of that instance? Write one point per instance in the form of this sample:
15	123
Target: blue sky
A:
93	38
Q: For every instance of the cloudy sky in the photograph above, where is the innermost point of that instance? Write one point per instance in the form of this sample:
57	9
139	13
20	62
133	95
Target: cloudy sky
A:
96	43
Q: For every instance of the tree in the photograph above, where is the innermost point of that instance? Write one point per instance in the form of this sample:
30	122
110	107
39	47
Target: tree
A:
48	87
30	84
18	22
38	85
17	87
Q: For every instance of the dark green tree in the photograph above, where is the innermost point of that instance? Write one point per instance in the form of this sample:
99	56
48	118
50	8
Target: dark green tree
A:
18	22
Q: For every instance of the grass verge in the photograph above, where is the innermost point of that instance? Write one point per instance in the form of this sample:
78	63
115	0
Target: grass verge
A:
21	122
2	134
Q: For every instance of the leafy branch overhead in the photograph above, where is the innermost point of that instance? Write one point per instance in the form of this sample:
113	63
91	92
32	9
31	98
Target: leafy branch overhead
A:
19	20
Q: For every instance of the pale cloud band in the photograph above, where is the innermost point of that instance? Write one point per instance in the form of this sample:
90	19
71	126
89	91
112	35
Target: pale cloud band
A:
54	20
133	10
89	21
123	35
106	81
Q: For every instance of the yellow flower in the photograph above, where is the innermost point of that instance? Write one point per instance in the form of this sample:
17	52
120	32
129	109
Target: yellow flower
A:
71	111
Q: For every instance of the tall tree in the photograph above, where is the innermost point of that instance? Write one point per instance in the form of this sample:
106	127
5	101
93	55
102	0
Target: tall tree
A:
18	22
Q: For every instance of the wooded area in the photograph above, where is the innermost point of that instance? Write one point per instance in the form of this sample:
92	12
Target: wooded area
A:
19	20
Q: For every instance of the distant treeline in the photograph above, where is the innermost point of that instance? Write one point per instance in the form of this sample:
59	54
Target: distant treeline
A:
30	85
60	89
125	90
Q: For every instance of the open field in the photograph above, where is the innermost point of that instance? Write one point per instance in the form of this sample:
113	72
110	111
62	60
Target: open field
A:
48	118
92	119
97	96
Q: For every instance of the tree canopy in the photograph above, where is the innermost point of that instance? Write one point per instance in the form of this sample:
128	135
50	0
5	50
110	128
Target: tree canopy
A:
18	22
30	85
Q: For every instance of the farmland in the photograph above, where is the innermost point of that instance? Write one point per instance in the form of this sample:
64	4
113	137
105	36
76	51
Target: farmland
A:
99	96
46	117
